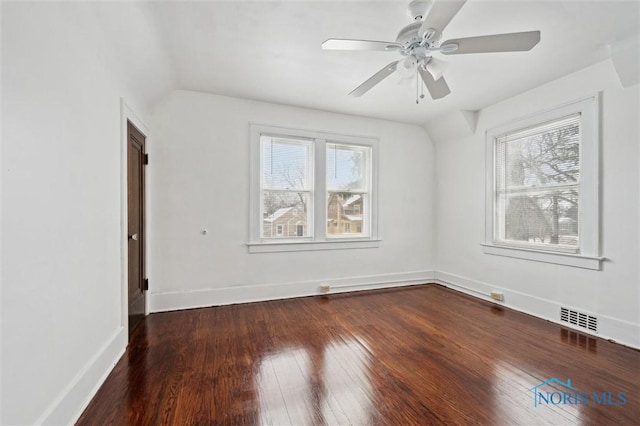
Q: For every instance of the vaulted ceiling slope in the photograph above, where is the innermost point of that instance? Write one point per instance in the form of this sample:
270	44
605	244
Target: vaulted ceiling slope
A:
270	50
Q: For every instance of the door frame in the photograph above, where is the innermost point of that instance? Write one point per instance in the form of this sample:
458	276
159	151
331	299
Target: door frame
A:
128	115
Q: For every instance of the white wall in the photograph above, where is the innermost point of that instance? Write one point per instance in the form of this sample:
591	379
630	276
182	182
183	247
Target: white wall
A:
613	294
62	79
199	179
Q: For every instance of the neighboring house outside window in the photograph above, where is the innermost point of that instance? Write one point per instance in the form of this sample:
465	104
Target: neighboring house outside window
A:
285	222
542	187
341	213
311	189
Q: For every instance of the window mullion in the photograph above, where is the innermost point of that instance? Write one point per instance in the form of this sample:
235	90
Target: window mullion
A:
537	190
320	190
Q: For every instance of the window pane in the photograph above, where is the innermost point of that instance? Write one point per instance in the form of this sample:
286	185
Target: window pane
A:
548	154
345	213
347	167
549	218
285	214
285	163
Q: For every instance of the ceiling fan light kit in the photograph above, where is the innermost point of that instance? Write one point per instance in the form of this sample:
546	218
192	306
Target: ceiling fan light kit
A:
407	67
419	41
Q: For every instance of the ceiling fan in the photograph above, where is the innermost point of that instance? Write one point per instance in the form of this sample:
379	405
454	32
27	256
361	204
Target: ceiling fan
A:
420	40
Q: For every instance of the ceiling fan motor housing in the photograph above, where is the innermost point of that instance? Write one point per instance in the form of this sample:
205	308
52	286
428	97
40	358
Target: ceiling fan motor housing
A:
409	34
413	44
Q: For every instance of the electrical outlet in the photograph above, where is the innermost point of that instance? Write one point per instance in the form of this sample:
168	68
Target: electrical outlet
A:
496	295
325	288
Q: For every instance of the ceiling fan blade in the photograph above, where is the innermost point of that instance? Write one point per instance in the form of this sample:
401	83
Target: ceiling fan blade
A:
374	79
345	44
440	15
512	42
437	88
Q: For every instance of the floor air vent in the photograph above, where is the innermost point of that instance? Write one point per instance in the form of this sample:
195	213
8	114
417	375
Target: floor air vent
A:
579	318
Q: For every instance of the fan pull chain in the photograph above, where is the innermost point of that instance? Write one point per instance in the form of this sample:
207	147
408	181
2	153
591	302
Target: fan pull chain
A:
417	83
421	90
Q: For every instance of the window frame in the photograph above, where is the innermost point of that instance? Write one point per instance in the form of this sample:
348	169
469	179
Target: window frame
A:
588	253
318	238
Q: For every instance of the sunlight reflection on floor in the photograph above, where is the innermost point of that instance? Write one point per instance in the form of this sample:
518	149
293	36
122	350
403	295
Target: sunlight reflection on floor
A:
316	385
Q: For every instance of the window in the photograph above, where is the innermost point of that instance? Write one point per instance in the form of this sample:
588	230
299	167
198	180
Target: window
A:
286	183
537	185
347	188
542	187
311	190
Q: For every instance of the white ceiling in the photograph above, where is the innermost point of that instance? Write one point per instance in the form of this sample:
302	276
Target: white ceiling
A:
270	50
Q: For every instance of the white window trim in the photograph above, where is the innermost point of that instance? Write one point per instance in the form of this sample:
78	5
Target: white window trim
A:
320	241
589	207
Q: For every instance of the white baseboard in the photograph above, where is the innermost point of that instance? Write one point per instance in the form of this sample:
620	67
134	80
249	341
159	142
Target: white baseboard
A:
72	401
171	301
620	331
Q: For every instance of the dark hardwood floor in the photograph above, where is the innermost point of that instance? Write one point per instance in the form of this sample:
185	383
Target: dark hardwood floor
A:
415	355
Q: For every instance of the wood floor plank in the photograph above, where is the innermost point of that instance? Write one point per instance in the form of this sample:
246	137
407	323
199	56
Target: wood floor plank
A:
414	355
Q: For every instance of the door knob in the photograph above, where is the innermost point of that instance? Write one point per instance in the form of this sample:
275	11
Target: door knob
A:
133	237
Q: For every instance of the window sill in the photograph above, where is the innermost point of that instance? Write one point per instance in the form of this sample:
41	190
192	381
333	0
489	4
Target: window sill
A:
287	246
567	259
